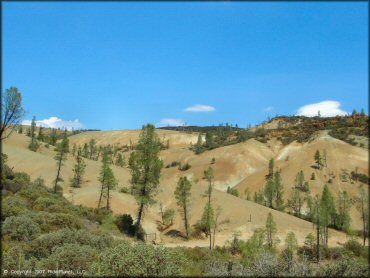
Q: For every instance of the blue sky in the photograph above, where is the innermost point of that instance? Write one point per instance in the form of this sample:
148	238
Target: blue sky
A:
121	65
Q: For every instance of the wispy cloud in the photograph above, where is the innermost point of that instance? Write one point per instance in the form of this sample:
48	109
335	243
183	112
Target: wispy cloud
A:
55	122
172	122
268	109
200	108
328	108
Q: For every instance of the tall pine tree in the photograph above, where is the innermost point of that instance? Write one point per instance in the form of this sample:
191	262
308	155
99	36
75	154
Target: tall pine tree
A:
78	169
146	167
182	195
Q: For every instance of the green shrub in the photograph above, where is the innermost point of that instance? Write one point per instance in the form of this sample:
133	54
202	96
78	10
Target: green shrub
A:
19	181
71	256
127	259
345	267
233	191
124	190
32	192
173	164
13	206
168	216
185	167
15	259
44	244
356	248
55	204
55	221
20	228
125	224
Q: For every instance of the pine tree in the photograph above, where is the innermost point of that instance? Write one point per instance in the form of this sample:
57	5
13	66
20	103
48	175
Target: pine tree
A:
198	148
218	213
296	202
182	195
33	146
270	230
318	159
324	158
99	152
291	245
53	137
12	111
316	218
299	180
278	182
78	169
92	148
328	212
111	184
270	193
120	161
207	221
20	129
107	178
74	148
363	207
60	156
65	135
85	151
271	168
40	136
344	206
210	216
146	167
209	144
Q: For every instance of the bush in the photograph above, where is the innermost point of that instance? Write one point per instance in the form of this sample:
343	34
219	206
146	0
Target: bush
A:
71	256
55	221
185	167
356	248
44	244
217	268
19	181
15	258
32	192
13	206
345	267
173	164
233	191
125	224
124	190
20	228
55	204
127	259
168	216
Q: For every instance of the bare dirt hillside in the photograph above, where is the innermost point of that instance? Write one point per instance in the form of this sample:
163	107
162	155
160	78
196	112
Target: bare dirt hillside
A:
241	165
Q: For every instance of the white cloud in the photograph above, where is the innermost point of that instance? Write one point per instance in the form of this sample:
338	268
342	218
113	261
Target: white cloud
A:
200	108
328	108
55	122
268	109
172	122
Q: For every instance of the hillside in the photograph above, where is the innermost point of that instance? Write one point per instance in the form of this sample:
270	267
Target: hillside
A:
239	165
